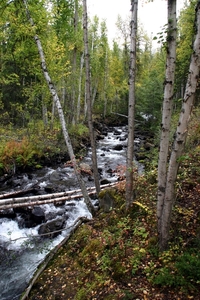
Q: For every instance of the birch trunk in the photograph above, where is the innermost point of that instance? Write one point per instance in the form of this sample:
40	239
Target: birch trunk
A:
88	99
79	89
131	105
61	114
105	85
181	133
167	109
74	67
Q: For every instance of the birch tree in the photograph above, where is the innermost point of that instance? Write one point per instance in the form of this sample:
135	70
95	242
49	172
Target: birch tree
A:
131	105
180	136
88	97
60	113
167	108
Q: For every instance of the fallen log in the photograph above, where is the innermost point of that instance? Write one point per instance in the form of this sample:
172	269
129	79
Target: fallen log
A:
48	198
18	193
9	195
44	201
41	197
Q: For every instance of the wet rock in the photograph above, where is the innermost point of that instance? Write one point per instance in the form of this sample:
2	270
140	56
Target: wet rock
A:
70	206
123	138
7	213
22	210
118	147
25	220
38	215
105	149
53	214
49	229
117	132
48	189
105	181
85	168
99	137
100	170
90	178
54	176
50	215
110	171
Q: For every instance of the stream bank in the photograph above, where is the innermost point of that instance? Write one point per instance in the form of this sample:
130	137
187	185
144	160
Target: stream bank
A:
19	233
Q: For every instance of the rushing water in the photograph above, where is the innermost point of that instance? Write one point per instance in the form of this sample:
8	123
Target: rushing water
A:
22	249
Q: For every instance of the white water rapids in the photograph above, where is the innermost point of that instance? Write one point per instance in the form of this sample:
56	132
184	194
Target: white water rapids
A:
22	253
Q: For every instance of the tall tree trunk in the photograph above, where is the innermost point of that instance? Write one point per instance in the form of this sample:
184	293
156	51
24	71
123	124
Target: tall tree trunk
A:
88	98
167	110
61	115
105	85
79	89
131	105
181	134
74	75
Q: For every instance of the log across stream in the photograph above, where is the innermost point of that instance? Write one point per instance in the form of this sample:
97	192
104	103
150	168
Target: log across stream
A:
22	247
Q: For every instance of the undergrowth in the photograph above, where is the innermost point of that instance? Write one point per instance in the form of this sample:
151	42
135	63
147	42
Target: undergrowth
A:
22	148
116	256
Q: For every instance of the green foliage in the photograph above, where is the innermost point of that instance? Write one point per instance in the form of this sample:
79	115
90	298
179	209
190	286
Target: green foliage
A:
177	270
149	88
78	130
17	154
184	46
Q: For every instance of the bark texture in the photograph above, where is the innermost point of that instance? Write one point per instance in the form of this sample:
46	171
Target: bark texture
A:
88	99
131	105
167	109
181	135
60	113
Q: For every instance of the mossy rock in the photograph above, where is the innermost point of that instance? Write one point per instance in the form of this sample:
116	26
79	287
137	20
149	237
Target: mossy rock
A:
107	199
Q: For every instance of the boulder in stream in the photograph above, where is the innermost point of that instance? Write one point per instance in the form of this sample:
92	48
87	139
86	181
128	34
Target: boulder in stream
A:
118	147
38	215
51	229
85	168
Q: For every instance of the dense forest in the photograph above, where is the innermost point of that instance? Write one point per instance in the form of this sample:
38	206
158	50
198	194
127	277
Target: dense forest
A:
59	79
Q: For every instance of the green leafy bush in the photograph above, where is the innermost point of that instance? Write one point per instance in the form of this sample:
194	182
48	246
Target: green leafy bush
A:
180	271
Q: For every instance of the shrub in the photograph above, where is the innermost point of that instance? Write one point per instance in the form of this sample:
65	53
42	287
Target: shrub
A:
180	271
16	154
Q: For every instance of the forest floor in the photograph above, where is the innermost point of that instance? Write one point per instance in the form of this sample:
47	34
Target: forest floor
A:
115	255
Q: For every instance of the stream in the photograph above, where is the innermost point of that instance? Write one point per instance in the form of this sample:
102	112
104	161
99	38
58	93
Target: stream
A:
21	247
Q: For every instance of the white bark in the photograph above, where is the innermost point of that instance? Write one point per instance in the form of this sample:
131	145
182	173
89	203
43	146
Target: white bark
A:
88	97
60	113
79	89
167	108
48	198
131	105
181	133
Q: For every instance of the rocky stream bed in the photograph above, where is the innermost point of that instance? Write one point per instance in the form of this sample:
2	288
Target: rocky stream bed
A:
28	234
